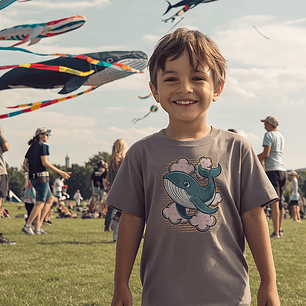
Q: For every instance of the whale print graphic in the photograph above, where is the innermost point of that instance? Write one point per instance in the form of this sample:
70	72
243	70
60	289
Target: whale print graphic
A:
193	203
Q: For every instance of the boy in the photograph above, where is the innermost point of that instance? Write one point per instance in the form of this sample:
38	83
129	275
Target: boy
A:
199	190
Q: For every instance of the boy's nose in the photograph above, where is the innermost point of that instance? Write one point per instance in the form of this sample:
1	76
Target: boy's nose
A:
184	87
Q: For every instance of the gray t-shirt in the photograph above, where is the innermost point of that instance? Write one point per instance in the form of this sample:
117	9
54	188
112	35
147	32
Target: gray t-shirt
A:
192	195
274	162
2	161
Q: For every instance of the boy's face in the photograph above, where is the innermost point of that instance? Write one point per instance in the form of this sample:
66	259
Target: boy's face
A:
185	94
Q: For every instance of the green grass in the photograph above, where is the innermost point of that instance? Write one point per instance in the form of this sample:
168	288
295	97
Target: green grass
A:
74	264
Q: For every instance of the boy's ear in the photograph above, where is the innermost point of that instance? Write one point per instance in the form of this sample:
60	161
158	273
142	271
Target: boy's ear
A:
218	92
154	91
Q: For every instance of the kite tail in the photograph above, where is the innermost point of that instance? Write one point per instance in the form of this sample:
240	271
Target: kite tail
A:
137	119
169	8
38	105
145	97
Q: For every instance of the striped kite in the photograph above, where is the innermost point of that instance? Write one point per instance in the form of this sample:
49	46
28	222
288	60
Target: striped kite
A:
70	72
36	31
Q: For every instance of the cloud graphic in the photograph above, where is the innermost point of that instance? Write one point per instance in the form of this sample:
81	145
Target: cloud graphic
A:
182	165
205	163
202	222
217	200
170	213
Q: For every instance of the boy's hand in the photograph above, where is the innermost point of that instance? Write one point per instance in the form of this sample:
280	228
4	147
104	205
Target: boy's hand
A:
267	296
122	298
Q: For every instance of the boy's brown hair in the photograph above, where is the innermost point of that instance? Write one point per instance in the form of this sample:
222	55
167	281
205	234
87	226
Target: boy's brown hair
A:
200	48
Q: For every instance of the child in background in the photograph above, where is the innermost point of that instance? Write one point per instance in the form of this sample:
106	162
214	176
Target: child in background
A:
199	190
29	197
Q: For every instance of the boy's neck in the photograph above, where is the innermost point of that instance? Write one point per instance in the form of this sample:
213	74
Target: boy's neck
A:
187	131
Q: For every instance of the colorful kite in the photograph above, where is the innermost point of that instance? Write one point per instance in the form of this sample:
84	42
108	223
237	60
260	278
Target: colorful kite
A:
5	3
188	4
36	31
153	109
96	69
71	72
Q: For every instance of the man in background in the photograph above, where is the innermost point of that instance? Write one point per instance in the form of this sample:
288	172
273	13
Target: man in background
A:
4	183
272	160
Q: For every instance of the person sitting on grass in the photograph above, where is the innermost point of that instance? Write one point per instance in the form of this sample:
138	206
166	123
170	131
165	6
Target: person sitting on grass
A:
199	190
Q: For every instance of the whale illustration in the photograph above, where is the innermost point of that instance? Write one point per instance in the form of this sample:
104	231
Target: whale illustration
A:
47	79
187	193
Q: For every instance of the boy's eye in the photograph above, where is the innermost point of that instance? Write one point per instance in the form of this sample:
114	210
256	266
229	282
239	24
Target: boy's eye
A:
170	79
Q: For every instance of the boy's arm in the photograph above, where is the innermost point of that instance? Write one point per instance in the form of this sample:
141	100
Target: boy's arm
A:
257	234
129	237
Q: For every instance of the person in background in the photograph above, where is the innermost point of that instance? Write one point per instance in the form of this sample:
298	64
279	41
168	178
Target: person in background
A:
118	153
29	197
4	181
36	163
78	198
272	160
294	196
98	180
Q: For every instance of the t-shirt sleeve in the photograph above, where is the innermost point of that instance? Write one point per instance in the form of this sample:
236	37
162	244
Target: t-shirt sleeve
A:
2	136
256	188
267	141
44	150
126	192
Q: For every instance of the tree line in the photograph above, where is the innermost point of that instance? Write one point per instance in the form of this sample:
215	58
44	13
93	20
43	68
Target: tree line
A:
80	178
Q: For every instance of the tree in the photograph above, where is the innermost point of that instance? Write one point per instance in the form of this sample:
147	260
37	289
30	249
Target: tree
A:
96	158
16	180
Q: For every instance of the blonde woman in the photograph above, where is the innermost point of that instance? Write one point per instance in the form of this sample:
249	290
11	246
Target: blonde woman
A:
118	153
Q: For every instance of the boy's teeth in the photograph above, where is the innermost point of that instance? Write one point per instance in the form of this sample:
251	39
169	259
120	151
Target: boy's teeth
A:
184	102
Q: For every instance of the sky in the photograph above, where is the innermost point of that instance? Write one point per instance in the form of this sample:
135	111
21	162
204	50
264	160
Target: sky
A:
265	76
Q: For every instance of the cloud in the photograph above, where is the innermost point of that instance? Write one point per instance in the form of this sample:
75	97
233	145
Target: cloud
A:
202	222
170	213
182	165
251	137
55	5
205	163
151	38
217	200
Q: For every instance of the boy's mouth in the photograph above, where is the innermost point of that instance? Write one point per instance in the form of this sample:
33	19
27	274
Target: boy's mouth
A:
184	102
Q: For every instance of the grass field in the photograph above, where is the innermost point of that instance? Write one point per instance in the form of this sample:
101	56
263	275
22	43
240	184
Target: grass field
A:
74	264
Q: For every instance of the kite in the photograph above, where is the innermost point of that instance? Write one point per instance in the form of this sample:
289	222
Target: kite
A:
261	33
5	3
71	72
188	4
145	97
36	31
103	67
153	109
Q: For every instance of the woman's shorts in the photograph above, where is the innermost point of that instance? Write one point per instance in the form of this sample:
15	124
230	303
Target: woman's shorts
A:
43	191
292	203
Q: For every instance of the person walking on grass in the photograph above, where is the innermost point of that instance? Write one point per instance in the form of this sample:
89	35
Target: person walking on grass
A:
199	190
4	182
36	163
294	196
272	158
118	153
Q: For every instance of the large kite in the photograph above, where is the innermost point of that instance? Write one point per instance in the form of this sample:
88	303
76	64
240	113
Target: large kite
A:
188	4
36	31
70	72
5	3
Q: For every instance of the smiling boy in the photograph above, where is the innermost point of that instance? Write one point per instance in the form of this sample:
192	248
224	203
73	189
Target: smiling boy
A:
200	191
